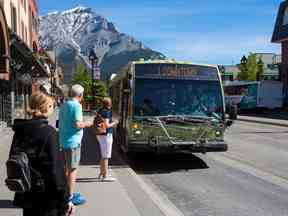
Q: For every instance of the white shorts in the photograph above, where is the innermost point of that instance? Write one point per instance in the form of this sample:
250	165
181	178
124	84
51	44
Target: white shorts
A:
105	142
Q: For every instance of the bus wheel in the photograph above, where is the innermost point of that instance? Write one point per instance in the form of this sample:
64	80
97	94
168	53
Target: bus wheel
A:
122	140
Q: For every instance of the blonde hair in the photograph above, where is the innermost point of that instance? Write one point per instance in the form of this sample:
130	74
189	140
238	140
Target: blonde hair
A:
39	103
107	102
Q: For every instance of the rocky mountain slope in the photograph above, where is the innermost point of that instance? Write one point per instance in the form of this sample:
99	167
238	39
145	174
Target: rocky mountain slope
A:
73	33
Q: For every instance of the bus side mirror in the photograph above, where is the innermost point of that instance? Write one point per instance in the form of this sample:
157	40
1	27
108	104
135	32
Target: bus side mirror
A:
229	123
233	111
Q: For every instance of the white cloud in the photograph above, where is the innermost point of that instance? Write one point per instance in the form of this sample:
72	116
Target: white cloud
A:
216	50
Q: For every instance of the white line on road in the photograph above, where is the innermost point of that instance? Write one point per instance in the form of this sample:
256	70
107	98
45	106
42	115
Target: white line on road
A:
268	177
157	196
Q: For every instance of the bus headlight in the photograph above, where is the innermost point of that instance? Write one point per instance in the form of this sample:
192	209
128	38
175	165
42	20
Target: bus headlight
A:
135	126
218	133
138	132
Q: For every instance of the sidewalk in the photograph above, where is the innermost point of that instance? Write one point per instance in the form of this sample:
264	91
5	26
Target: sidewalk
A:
128	196
263	120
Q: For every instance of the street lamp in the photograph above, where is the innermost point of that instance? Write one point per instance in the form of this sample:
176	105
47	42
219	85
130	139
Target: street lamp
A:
52	73
94	60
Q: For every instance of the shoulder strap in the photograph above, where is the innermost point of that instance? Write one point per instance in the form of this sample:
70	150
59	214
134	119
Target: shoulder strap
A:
42	149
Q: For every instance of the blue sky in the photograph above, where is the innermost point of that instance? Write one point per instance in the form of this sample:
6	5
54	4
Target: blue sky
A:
207	31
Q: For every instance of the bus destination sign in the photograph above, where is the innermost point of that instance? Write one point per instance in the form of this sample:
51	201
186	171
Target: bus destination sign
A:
175	71
178	71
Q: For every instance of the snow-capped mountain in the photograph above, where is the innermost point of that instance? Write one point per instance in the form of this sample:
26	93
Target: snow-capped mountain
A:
73	33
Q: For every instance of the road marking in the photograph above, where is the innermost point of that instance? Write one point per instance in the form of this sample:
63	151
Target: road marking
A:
234	163
156	195
265	121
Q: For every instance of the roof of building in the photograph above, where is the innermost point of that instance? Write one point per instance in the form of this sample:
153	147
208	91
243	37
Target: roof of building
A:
280	31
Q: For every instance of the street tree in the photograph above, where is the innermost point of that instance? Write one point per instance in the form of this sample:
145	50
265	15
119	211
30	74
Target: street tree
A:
252	66
260	71
94	90
243	75
82	77
250	69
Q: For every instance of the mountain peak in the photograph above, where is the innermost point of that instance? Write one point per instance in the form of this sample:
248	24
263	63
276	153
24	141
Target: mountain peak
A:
74	32
78	9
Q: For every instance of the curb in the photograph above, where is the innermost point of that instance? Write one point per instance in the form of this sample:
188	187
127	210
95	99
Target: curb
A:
259	121
155	194
162	202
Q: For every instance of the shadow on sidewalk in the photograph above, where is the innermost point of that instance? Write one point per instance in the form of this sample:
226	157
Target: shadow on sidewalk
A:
87	180
90	151
166	163
7	204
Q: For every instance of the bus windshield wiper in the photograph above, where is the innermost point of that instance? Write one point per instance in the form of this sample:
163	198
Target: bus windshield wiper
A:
184	118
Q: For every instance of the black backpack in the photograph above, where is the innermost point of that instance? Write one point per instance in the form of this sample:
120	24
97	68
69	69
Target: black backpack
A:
21	176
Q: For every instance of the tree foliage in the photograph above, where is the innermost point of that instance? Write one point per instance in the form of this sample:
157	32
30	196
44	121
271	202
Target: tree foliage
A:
82	77
243	75
250	68
260	65
94	89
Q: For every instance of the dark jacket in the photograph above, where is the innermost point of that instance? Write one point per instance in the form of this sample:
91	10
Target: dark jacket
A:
50	164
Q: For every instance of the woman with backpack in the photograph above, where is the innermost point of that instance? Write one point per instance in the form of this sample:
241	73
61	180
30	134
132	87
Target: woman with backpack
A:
48	194
105	140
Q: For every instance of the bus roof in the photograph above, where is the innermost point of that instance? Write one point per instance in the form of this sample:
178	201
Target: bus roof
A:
167	61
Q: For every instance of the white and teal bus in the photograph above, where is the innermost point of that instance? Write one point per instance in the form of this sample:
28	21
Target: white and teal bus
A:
254	95
166	106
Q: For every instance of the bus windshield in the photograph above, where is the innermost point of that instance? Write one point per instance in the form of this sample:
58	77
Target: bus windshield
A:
162	97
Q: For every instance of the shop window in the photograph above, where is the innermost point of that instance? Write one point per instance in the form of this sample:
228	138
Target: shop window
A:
14	18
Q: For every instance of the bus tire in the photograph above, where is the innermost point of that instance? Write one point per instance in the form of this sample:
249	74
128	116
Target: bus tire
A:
123	140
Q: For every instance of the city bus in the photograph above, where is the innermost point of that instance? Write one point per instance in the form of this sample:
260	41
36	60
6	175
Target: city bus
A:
168	106
254	95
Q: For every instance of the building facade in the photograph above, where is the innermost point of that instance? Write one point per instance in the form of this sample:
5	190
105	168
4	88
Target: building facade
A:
271	63
280	35
21	66
4	45
33	25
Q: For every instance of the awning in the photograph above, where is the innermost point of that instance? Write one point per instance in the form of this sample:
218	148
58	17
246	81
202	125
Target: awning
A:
31	63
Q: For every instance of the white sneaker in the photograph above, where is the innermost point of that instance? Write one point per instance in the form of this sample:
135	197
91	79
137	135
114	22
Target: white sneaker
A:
108	179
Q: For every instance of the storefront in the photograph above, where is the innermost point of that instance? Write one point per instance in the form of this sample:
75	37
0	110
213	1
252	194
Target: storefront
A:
26	71
4	47
5	87
280	35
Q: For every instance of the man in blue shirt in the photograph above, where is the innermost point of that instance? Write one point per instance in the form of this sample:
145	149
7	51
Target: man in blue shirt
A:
71	126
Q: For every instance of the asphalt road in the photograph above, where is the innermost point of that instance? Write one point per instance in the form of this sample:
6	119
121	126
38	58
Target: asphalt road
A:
250	179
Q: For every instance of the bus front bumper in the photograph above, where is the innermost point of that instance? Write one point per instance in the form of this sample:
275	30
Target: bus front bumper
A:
141	146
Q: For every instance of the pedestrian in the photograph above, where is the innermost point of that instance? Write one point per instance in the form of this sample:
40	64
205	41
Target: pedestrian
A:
71	127
51	198
106	140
